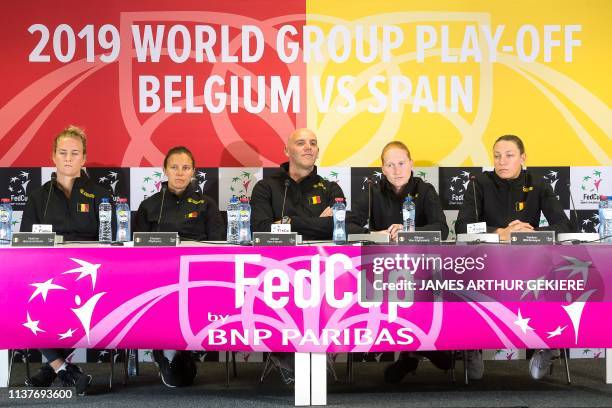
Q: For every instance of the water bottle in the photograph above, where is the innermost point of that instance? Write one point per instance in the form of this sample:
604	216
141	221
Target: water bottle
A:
123	221
105	235
245	221
132	363
6	220
408	214
605	218
233	215
339	211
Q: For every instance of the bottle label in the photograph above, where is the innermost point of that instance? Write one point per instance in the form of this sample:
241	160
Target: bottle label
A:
4	216
122	216
340	215
406	214
245	215
105	216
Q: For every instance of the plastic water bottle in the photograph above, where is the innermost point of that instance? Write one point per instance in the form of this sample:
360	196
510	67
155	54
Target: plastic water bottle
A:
244	225
233	217
6	221
605	218
408	214
123	221
339	211
105	234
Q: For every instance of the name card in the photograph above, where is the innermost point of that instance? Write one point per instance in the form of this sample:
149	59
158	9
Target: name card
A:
274	239
369	238
33	239
155	239
419	238
280	228
42	228
532	238
477	228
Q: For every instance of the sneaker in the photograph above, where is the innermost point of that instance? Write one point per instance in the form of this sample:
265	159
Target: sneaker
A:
475	365
73	376
396	371
187	369
282	364
440	359
167	369
540	363
44	378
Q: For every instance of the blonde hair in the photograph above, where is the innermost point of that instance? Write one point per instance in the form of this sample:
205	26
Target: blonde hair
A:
73	132
396	144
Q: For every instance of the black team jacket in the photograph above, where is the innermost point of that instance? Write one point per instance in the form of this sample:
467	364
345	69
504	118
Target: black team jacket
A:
75	218
306	200
501	201
386	207
193	215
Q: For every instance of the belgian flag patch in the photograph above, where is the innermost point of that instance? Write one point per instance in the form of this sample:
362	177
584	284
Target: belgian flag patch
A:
83	208
193	214
314	200
520	206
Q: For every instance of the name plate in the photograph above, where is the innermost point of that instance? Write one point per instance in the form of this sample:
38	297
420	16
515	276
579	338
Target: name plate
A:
477	228
155	239
419	238
274	239
33	239
280	228
532	238
369	238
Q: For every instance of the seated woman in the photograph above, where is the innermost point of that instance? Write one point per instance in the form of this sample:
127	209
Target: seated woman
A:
508	199
69	202
179	207
385	215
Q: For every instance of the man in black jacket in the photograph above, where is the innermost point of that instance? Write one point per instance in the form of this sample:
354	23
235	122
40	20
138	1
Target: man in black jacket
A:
309	197
295	195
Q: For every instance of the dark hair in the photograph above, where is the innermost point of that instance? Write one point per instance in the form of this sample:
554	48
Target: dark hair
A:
512	138
391	145
179	150
71	132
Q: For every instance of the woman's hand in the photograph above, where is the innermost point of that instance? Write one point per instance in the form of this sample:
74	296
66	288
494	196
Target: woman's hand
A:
514	226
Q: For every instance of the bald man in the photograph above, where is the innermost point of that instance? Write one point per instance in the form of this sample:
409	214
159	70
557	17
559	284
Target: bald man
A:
309	196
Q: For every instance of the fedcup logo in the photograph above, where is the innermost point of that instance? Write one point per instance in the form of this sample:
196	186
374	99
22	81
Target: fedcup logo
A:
152	184
552	178
63	292
453	185
110	180
18	187
240	183
589	187
200	179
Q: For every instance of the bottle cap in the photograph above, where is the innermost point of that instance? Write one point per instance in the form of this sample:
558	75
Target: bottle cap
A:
5	200
339	199
244	199
105	199
122	201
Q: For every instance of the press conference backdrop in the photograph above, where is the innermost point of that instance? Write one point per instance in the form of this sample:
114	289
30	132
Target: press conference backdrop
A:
232	80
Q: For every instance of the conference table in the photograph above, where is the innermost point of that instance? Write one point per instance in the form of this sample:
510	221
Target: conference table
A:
310	299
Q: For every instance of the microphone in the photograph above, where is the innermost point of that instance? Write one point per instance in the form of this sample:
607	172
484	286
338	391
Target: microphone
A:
161	208
569	186
369	181
284	200
473	180
53	177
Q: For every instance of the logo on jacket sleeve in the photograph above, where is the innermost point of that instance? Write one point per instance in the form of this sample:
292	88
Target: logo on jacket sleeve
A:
193	214
520	206
83	208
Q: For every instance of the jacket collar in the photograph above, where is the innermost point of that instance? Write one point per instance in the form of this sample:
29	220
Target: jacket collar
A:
285	173
408	189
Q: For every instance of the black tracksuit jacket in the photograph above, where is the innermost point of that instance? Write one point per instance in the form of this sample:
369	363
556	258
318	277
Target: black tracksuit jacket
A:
306	200
76	218
386	207
500	201
193	215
